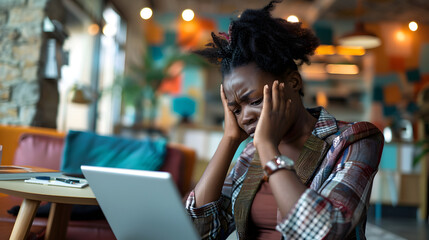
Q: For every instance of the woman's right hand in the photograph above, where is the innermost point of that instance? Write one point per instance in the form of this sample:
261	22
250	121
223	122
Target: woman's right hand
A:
231	129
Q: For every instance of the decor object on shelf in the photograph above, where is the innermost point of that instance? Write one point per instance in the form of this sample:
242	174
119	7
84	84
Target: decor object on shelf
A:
185	107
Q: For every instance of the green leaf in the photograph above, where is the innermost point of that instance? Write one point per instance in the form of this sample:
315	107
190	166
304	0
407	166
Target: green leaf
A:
419	157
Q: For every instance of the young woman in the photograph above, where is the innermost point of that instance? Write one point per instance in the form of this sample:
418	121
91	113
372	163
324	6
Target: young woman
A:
305	175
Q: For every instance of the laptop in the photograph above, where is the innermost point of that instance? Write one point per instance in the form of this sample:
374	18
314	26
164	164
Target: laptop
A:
140	204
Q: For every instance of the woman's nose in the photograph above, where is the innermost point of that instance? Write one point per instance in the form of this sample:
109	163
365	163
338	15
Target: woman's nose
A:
249	115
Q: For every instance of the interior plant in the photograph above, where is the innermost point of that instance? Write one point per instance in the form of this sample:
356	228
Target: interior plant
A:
424	145
423	115
140	86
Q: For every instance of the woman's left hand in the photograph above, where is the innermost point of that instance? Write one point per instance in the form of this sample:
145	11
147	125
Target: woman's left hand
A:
273	122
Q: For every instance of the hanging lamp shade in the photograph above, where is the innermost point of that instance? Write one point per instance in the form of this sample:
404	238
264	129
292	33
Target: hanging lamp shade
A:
360	38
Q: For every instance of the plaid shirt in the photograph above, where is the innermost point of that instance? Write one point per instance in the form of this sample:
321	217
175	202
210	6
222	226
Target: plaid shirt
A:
338	164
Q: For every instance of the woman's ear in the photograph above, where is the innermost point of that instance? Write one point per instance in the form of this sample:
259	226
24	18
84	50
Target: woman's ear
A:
294	81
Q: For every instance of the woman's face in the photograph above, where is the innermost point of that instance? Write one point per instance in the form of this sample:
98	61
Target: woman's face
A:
243	89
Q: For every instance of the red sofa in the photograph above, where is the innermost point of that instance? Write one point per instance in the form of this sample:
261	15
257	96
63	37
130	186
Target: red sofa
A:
42	147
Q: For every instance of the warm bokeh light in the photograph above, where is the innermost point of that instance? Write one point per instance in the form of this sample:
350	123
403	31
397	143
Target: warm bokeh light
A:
340	50
321	99
188	15
400	36
354	51
109	30
413	26
325	50
347	69
93	29
292	18
146	13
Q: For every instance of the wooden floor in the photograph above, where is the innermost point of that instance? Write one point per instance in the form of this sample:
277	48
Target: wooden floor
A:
36	232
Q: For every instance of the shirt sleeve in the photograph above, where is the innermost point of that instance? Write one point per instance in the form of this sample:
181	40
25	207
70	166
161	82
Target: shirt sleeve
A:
213	220
332	211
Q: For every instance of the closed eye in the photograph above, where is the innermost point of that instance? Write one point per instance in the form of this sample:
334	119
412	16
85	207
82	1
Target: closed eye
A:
257	102
236	111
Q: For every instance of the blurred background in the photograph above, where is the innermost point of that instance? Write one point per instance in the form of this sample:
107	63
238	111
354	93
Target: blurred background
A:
124	67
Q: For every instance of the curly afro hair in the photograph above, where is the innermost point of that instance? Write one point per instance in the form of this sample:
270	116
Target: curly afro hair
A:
274	44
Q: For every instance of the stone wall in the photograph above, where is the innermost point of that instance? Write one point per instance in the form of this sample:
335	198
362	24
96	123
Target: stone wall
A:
26	98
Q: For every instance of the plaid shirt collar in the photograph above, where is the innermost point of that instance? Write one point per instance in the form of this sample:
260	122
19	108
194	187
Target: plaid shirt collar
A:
326	123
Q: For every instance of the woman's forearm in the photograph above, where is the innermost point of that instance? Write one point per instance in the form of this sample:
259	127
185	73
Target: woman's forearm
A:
286	186
210	185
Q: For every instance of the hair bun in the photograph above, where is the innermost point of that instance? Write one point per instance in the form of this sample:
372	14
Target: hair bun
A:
274	44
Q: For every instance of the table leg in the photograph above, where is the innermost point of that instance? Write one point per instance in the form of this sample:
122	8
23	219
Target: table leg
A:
58	220
25	218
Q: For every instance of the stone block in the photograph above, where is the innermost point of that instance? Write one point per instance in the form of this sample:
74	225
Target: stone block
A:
18	16
37	3
31	33
26	93
13	35
4	94
5	51
8	111
3	18
8	72
29	64
27	114
5	4
29	74
26	52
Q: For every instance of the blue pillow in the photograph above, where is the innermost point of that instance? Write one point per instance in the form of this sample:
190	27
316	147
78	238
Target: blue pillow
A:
86	148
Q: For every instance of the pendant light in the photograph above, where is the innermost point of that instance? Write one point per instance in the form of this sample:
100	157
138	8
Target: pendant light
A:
360	37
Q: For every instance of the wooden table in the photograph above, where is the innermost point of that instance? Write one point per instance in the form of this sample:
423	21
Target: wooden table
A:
62	199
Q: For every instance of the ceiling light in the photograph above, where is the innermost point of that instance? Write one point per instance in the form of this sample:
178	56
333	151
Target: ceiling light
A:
413	26
292	18
93	29
360	38
146	13
400	36
188	15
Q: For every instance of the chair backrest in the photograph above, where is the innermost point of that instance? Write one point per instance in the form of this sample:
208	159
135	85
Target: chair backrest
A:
39	150
190	158
10	135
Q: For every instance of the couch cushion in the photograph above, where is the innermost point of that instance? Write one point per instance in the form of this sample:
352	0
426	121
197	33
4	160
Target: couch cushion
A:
86	148
39	150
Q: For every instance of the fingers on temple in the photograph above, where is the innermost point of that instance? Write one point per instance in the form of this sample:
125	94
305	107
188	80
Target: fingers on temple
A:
267	99
282	96
222	95
275	95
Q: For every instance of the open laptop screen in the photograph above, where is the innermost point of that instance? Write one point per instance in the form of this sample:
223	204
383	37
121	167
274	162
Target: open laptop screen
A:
140	204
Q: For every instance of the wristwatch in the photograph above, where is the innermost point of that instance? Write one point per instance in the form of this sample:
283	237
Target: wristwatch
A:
277	163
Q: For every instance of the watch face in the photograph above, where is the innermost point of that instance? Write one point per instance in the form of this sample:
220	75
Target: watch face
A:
284	161
278	162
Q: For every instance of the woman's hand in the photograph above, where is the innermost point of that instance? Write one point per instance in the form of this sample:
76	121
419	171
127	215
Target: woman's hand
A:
273	122
232	130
